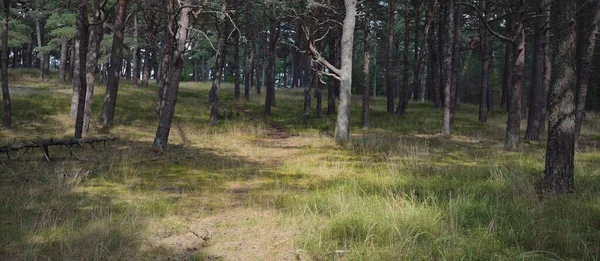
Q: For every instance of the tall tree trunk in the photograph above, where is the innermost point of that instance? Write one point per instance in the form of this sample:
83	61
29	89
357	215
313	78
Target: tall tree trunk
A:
403	94
540	72
342	127
180	38
296	56
455	88
586	38
433	52
485	64
41	56
331	97
560	153
389	82
7	111
307	90
236	63
507	69
270	80
128	68
166	58
442	28
62	71
213	96
448	54
96	35
136	53
366	72
76	83
513	125
112	81
72	59
248	52
82	34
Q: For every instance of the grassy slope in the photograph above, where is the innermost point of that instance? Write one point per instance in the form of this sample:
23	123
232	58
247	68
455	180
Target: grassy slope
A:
397	192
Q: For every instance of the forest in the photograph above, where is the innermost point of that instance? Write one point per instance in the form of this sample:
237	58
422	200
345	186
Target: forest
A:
300	130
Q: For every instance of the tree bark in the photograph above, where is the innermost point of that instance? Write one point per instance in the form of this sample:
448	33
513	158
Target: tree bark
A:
366	72
248	52
41	56
485	64
513	125
560	153
389	85
166	59
331	86
270	73
403	93
586	38
433	52
213	96
96	35
62	71
136	54
342	127
236	63
82	34
149	54
114	69
448	54
7	109
166	118
307	90
507	69
76	83
455	87
540	75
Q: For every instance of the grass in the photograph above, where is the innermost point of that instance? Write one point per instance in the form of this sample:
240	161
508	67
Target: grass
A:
399	191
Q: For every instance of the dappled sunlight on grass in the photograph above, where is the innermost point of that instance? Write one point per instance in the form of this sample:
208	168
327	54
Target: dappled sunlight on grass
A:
279	187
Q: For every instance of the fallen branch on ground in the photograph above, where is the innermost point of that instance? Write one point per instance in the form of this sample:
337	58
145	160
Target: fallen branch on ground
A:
24	147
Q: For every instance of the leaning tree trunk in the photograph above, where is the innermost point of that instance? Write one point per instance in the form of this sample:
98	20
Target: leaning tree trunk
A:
587	28
448	53
513	125
96	35
82	34
166	118
389	85
560	153
342	127
540	70
112	83
7	112
213	96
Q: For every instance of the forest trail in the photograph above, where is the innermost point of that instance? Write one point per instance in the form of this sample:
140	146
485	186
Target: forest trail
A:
237	230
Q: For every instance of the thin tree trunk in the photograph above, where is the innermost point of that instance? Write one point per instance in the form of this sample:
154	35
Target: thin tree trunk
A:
332	83
539	89
433	52
7	109
559	172
38	31
112	82
485	65
76	83
366	73
236	64
136	53
248	52
62	71
389	82
513	125
455	88
213	96
96	35
270	80
181	37
403	94
166	58
82	34
448	54
296	56
318	95
307	91
507	69
149	53
72	59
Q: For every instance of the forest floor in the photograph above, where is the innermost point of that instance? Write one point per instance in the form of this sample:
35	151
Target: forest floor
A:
279	188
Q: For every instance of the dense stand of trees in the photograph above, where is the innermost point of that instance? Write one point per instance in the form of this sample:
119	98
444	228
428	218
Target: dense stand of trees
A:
447	52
